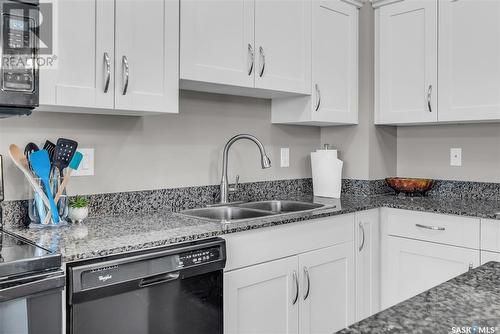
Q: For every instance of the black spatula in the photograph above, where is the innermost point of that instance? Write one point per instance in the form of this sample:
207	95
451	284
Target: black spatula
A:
64	152
51	148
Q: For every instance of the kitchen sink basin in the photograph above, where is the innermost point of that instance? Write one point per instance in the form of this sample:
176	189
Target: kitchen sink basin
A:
282	206
238	212
226	213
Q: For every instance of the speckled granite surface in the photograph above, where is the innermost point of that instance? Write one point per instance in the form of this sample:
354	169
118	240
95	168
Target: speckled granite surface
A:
471	300
116	234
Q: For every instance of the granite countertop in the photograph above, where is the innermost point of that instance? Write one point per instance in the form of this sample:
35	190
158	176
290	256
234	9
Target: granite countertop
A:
117	234
471	300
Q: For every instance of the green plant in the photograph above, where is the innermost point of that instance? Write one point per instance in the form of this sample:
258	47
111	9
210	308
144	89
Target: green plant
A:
78	202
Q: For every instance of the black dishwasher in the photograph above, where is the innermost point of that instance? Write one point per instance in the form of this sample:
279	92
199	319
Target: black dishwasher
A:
170	290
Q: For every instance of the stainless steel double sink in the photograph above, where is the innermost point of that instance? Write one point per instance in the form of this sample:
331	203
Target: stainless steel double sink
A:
251	210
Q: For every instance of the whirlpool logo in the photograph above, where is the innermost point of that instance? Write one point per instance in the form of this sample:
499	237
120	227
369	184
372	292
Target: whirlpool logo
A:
105	278
474	330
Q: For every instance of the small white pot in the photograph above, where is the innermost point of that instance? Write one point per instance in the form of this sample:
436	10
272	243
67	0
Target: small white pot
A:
77	215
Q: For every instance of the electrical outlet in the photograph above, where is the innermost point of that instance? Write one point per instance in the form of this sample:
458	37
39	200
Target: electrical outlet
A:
456	157
285	157
87	165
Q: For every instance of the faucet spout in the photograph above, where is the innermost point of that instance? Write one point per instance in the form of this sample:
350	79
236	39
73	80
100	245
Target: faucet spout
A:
265	162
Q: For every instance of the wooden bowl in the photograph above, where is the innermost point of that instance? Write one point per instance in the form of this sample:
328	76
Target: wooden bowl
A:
409	185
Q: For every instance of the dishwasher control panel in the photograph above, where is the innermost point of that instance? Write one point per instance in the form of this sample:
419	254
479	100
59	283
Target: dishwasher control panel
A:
199	256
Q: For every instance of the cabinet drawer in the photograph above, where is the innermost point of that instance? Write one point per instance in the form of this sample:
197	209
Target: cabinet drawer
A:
444	229
271	243
490	235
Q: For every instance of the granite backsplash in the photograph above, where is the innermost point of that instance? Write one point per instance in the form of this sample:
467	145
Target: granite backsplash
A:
14	213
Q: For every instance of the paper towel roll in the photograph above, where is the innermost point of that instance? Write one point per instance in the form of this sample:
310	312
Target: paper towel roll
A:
326	173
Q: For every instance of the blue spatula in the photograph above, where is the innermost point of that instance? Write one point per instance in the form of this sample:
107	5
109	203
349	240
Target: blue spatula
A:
40	163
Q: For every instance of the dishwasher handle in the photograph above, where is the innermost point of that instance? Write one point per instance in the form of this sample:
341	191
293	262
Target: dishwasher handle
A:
158	279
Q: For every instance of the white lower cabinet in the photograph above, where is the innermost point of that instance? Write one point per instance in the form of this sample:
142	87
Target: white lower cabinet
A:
260	298
327	298
412	266
489	256
298	278
309	293
367	248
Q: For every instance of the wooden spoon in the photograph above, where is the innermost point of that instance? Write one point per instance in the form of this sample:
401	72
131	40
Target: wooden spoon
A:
22	163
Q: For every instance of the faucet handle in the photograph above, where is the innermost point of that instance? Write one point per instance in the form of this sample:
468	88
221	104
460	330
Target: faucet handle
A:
236	183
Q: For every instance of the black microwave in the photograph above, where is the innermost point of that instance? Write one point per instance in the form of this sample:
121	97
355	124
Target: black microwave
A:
19	73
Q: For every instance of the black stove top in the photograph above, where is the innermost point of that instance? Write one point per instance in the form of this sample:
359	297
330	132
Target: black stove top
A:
19	257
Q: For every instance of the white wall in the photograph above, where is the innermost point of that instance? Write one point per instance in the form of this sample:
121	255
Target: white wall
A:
154	152
424	151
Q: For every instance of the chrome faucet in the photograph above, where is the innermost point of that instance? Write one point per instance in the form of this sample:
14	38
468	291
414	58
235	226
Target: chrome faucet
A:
224	184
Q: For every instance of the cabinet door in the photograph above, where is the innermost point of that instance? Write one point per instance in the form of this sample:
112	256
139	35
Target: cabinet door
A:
412	267
84	46
406	87
335	62
327	294
469	60
147	47
489	256
367	264
260	298
283	45
217	41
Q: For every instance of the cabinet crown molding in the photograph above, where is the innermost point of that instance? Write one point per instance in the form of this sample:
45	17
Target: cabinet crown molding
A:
357	3
380	3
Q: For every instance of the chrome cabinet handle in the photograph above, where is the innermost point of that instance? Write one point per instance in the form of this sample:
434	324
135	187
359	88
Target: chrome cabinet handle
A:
108	72
363	234
429	98
428	227
306	274
263	59
318	99
251	57
126	71
296	281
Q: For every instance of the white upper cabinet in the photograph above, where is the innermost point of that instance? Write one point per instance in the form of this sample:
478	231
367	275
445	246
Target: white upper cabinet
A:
334	84
111	60
147	55
283	45
82	75
406	62
246	47
327	295
217	41
469	60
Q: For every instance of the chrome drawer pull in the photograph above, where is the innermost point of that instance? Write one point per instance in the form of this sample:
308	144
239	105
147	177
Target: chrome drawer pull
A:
263	59
429	98
434	228
306	274
108	72
251	57
296	281
126	71
363	231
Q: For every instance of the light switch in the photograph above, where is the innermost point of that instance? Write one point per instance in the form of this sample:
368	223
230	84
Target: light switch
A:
87	165
285	157
456	157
